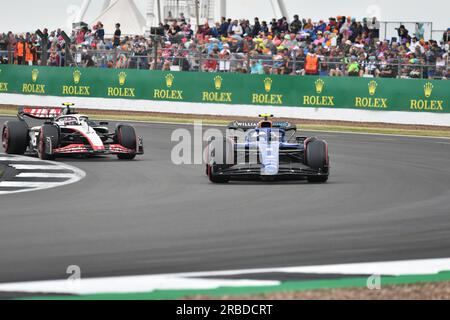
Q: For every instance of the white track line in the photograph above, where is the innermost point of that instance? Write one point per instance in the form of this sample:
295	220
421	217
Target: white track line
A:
18	158
139	284
392	268
27	184
34	167
45	175
19	191
183	281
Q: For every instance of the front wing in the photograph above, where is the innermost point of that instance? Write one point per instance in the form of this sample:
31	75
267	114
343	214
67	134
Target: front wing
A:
294	171
83	149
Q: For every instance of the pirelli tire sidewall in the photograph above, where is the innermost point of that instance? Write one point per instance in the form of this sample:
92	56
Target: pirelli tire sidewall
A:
15	137
317	158
126	137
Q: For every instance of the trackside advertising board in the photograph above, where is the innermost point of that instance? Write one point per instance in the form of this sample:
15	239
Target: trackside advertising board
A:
230	88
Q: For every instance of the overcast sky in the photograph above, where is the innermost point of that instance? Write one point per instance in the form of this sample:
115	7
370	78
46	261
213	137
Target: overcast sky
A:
29	15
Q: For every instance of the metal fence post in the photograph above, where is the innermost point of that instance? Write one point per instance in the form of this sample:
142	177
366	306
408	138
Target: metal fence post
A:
44	44
115	57
248	64
294	62
10	54
155	46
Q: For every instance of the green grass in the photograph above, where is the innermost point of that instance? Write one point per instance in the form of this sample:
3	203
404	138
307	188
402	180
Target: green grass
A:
8	112
309	127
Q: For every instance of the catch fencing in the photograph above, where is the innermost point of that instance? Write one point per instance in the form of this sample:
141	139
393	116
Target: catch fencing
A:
243	63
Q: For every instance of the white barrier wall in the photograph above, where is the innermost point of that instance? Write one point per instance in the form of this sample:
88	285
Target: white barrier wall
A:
394	117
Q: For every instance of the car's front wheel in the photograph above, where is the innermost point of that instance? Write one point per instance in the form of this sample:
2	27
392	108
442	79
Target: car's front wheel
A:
317	159
126	137
318	179
215	177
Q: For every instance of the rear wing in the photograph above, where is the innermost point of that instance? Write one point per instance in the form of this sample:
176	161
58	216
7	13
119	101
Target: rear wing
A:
43	113
40	113
249	125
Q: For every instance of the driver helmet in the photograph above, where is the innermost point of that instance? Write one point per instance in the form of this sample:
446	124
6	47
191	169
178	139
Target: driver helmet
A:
265	124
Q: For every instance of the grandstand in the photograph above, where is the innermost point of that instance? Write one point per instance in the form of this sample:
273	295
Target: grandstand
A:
338	46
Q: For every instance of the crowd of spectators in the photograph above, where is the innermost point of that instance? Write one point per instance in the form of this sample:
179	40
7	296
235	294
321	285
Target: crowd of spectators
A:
340	46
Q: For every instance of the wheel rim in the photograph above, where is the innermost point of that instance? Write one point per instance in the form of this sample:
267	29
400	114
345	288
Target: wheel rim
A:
5	139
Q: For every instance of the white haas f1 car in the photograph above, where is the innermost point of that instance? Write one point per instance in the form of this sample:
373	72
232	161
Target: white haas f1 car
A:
267	151
64	132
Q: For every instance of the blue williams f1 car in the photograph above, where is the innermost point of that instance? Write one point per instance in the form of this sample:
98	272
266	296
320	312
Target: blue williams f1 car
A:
267	151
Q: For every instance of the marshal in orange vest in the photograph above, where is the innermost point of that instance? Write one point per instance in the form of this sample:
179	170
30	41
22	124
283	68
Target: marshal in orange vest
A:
20	46
312	64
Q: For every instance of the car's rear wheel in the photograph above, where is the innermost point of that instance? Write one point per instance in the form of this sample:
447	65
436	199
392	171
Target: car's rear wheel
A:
52	132
15	137
126	137
317	159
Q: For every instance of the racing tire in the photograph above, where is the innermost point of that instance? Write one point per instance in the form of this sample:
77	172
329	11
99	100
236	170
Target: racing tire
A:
318	179
317	159
15	137
215	178
48	131
126	136
224	152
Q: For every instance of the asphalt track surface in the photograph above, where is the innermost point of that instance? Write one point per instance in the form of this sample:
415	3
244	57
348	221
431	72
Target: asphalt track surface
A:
388	199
